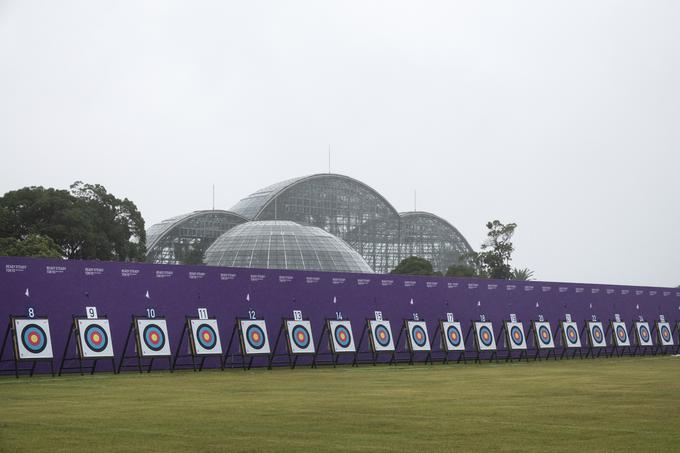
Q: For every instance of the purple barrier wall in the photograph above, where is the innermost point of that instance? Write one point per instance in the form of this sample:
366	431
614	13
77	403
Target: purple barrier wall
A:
59	289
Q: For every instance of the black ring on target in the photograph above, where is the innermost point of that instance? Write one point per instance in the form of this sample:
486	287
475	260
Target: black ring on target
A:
485	336
644	333
34	338
597	334
382	335
342	336
154	343
300	336
621	333
572	335
516	335
544	335
453	334
206	336
96	338
665	333
419	336
255	336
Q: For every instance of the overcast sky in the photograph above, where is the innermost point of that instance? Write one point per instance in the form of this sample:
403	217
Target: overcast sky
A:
563	117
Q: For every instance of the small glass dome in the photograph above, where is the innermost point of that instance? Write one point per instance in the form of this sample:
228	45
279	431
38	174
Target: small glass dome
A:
278	244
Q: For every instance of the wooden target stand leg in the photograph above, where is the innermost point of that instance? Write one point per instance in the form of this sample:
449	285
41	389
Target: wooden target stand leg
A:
74	333
237	331
132	333
186	332
10	333
364	330
292	357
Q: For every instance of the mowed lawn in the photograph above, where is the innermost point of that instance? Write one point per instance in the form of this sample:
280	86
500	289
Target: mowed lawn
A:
628	404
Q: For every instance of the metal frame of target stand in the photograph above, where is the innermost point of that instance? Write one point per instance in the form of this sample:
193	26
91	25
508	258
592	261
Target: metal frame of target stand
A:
138	347
591	348
445	349
74	332
411	352
660	347
186	331
242	354
335	355
15	358
537	341
638	346
374	353
615	348
508	340
292	356
494	352
564	342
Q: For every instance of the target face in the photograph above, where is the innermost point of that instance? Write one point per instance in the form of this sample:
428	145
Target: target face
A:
620	334
485	339
341	336
32	339
95	338
544	337
665	335
571	335
254	336
381	335
452	336
644	336
300	340
205	336
417	336
515	332
596	331
153	337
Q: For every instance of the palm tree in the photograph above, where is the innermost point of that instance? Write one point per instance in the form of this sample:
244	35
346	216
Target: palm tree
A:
521	274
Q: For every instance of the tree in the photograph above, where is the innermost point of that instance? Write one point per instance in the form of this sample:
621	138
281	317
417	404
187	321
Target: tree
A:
33	245
461	270
521	274
494	259
414	265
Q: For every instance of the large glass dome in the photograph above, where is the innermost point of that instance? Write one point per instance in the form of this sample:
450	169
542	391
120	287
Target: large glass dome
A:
278	244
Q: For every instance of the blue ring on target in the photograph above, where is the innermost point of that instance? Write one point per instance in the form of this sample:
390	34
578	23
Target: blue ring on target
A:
485	336
453	335
544	335
382	335
206	336
572	335
644	333
300	336
159	342
665	333
419	336
516	335
597	334
258	341
621	333
34	338
96	338
342	336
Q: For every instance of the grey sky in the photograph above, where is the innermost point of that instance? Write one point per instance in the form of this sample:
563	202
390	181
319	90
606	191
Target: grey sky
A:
561	116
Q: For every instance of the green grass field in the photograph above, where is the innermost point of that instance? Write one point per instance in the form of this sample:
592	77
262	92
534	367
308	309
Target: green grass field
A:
628	404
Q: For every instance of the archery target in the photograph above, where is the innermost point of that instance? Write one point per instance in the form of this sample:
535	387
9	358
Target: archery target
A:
381	335
153	337
544	337
32	339
254	339
341	336
620	334
95	338
205	336
572	338
484	336
665	334
452	336
596	333
417	336
300	340
515	332
644	336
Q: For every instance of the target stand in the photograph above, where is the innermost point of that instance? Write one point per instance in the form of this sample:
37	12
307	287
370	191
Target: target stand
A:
150	342
664	337
544	340
643	338
340	341
620	338
252	342
480	345
203	341
92	337
380	341
450	340
416	339
513	335
596	339
299	341
34	346
569	338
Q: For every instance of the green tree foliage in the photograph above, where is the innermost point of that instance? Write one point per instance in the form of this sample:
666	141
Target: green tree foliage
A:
521	274
85	223
414	265
460	270
33	245
494	259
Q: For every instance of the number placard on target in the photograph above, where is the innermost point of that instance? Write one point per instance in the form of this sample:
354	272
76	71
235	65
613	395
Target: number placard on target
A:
571	337
664	332
544	336
596	334
254	338
94	336
643	334
418	340
620	334
380	333
341	336
300	339
452	336
484	337
516	340
152	337
205	337
32	339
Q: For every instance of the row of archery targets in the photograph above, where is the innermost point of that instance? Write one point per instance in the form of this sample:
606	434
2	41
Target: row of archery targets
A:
89	341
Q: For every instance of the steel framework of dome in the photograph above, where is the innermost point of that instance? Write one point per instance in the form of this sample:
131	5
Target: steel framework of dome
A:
280	244
344	207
